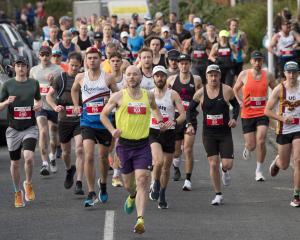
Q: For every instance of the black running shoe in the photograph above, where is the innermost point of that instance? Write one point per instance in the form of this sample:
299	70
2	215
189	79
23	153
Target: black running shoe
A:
58	152
78	188
163	205
69	177
177	174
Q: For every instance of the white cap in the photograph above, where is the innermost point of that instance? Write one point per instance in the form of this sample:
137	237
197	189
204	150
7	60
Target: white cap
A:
159	15
159	68
213	67
149	22
197	20
165	29
124	34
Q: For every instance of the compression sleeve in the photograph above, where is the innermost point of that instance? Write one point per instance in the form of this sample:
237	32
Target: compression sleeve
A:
191	113
236	108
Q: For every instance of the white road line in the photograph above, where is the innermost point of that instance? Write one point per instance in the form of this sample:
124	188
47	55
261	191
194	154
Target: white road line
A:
109	225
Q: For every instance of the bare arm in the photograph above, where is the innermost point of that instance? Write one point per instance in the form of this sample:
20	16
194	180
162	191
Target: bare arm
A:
186	46
213	53
170	80
75	92
198	82
271	79
51	100
272	101
111	83
178	105
238	85
273	43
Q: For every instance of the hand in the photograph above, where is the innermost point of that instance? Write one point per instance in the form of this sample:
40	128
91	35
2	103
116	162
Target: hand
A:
241	104
232	123
76	110
10	99
59	108
37	106
162	126
170	124
116	133
190	130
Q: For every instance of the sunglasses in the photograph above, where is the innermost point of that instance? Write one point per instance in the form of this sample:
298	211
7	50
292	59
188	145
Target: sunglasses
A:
56	55
44	54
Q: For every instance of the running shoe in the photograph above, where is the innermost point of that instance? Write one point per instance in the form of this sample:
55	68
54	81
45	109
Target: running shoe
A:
53	166
91	199
259	177
153	195
78	188
274	170
129	205
29	193
246	154
139	226
116	182
103	196
187	186
163	205
177	174
44	170
19	199
226	178
295	202
69	180
218	200
58	151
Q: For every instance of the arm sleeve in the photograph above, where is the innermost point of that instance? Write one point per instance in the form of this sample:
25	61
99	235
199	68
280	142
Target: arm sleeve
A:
236	108
191	114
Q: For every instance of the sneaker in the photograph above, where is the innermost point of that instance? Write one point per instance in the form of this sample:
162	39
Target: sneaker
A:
274	170
177	174
295	202
129	205
44	170
78	188
139	226
53	166
226	178
163	205
29	193
246	154
259	177
116	182
58	152
187	186
91	199
103	196
69	180
19	199
153	195
218	200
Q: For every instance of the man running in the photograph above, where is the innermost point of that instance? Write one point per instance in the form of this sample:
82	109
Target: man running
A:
59	98
21	95
132	119
146	63
215	98
287	97
185	84
254	83
163	143
95	87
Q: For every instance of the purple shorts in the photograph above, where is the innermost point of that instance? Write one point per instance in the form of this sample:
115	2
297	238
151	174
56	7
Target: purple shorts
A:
134	157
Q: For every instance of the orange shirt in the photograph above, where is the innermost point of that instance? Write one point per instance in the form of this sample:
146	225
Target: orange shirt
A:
255	92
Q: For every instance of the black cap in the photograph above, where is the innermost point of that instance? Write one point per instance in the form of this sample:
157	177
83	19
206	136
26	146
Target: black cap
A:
114	16
135	16
173	54
183	57
257	55
98	35
21	59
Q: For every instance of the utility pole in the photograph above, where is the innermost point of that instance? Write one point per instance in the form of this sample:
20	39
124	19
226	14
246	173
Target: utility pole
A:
298	7
173	6
232	3
270	34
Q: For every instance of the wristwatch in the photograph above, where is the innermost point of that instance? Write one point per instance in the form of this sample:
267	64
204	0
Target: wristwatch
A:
187	125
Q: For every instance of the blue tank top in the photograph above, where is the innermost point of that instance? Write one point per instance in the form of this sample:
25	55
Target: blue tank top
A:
65	51
236	40
168	44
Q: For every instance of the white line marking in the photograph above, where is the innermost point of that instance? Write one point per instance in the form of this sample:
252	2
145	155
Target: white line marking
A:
109	225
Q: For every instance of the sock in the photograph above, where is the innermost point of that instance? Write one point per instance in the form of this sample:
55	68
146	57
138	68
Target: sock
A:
140	217
224	170
133	197
116	173
162	195
52	156
156	185
218	193
103	187
79	183
296	193
45	163
258	167
16	188
176	162
188	176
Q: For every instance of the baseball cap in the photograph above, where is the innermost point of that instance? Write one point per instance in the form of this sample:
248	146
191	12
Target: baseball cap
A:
224	33
45	49
159	68
98	35
213	67
173	54
291	67
159	15
165	29
197	21
183	57
21	59
124	34
257	55
135	16
149	22
56	52
92	50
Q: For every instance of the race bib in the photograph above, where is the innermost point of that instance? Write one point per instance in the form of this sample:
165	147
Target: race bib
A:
214	120
295	121
165	119
287	52
44	89
22	113
185	104
224	52
136	108
70	111
198	54
135	54
94	108
257	102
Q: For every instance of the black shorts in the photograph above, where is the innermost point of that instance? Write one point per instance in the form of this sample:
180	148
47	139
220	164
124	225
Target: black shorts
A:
180	130
250	124
68	130
28	144
283	139
165	139
218	145
49	114
101	136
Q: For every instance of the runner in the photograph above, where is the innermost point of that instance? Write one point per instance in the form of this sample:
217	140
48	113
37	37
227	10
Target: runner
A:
155	43
163	143
82	40
146	63
185	84
95	87
45	72
287	97
135	41
215	98
22	97
254	84
172	62
132	119
59	98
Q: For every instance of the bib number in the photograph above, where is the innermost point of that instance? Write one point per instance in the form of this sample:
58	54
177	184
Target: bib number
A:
22	113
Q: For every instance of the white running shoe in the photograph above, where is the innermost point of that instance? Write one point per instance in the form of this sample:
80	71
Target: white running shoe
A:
246	154
218	200
259	177
187	186
53	166
226	178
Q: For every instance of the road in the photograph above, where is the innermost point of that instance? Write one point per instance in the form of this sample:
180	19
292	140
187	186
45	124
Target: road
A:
252	210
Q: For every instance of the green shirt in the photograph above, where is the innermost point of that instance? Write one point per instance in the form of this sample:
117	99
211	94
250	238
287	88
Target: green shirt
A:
20	114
